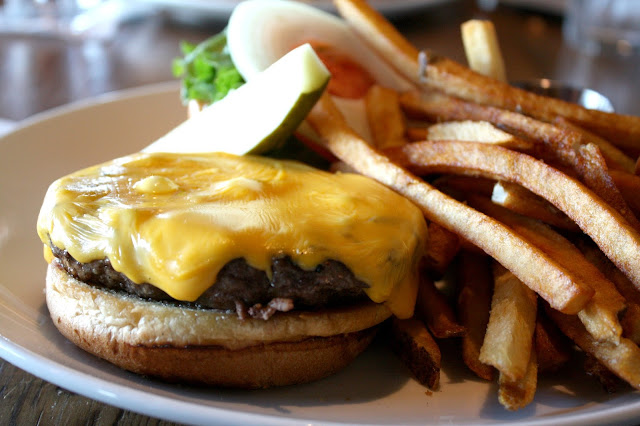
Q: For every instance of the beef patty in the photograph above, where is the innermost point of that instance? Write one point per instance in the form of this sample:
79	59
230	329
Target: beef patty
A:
239	286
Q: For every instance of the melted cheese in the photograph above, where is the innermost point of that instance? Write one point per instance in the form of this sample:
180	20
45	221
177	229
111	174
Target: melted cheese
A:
175	220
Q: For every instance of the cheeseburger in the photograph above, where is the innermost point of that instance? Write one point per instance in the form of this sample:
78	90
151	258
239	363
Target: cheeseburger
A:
233	271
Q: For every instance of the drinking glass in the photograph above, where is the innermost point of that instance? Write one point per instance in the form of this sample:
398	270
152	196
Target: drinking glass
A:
603	27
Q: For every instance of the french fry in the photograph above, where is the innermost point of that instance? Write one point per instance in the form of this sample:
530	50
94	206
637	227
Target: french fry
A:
629	186
553	349
476	131
508	340
530	264
341	167
517	394
467	245
565	146
630	320
474	301
631	323
433	308
482	48
385	117
457	80
615	158
520	200
381	35
595	174
442	248
605	225
414	134
464	185
621	281
592	147
622	359
417	350
600	315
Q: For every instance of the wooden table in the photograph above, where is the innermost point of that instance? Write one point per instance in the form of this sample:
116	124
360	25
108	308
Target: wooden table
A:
39	74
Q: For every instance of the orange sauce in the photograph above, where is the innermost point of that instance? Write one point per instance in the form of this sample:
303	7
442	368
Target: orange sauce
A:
348	78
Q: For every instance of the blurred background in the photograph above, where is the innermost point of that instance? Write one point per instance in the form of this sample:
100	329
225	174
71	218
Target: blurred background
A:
56	52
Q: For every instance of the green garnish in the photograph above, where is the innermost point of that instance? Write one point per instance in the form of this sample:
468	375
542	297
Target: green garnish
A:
206	70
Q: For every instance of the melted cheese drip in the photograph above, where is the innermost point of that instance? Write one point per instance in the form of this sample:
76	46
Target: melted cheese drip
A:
175	220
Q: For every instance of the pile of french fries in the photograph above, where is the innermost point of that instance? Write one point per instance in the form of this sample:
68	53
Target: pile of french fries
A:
532	203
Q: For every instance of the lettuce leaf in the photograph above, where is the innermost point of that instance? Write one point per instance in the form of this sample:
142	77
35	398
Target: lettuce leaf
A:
206	70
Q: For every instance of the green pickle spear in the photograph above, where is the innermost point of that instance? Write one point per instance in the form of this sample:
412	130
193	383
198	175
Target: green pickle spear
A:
257	117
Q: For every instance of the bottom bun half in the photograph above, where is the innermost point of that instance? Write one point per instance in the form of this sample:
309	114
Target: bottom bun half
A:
184	344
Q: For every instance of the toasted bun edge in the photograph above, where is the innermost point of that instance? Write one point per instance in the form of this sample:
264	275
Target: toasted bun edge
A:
163	340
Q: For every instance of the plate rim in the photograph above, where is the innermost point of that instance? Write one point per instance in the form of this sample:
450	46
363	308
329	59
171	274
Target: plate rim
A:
89	102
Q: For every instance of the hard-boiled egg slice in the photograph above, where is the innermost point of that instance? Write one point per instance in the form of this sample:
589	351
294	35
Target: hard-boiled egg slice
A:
261	31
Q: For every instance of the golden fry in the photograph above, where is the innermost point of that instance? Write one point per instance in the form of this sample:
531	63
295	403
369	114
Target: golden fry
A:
414	134
622	283
629	186
613	234
630	320
386	121
595	174
341	167
381	35
474	301
476	131
517	394
565	146
600	315
456	185
433	308
482	48
508	340
442	248
623	359
417	350
457	80
596	148
530	264
520	200
615	158
553	349
631	323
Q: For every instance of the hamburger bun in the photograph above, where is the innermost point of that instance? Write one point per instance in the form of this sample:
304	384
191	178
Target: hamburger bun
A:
236	271
181	344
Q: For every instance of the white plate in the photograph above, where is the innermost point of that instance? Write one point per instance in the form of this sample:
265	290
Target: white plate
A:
221	9
376	389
